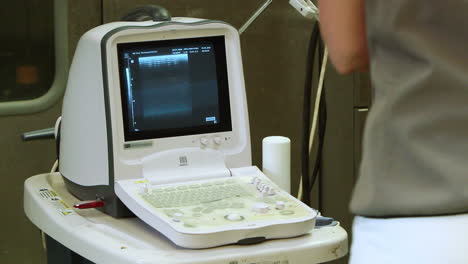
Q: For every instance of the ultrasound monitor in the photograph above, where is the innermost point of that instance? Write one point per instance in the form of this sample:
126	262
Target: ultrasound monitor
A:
163	101
174	88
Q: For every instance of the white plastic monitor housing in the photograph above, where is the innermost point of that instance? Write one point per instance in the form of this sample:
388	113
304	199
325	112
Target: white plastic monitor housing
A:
93	150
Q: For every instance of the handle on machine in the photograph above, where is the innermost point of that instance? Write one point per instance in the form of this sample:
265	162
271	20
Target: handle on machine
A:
154	12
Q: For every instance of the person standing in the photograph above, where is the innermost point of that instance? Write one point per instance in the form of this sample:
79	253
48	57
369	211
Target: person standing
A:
411	198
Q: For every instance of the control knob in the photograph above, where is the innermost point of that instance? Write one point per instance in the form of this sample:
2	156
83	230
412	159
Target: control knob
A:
260	208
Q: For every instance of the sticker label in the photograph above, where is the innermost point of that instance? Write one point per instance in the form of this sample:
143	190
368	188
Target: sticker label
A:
66	212
47	194
63	208
64	204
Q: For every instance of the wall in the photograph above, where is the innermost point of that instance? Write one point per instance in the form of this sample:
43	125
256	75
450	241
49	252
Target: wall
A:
20	240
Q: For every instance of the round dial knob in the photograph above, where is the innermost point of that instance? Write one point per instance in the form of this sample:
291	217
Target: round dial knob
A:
234	217
260	208
204	141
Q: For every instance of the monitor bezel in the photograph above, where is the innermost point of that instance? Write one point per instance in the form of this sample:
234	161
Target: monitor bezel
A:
235	144
224	107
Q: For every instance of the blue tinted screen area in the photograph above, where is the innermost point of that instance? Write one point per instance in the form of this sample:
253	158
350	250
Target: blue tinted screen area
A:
174	87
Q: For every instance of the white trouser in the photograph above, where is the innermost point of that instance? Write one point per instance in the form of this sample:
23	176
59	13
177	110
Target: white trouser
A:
412	240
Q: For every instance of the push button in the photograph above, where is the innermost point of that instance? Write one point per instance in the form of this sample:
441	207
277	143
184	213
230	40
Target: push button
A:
204	141
280	205
234	217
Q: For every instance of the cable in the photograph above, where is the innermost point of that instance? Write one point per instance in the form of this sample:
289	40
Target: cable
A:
306	114
54	167
318	96
257	13
320	114
307	182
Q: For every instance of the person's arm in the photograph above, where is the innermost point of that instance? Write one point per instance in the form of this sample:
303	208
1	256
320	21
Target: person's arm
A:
342	24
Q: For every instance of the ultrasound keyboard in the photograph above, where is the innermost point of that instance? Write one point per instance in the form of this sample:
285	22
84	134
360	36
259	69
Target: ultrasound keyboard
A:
193	194
211	207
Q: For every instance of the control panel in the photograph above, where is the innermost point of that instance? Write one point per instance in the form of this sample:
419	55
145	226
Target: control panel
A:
221	208
215	141
224	203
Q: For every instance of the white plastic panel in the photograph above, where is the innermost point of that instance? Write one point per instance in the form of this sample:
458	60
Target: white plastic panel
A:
235	145
103	239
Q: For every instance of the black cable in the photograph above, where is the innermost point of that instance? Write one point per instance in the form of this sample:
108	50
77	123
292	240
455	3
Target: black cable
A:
322	123
306	113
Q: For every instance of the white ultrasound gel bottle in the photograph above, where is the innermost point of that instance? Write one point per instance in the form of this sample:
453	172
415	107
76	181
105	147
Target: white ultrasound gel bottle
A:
276	161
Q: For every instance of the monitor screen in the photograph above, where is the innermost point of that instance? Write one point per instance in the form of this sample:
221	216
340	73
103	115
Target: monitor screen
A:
174	87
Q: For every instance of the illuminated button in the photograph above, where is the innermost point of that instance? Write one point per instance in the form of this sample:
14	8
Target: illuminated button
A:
217	140
204	141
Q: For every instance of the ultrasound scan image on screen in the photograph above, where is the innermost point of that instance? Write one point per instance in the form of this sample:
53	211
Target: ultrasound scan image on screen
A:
174	87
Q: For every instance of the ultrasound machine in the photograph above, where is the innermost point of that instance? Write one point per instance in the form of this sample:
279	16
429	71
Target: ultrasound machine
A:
155	125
